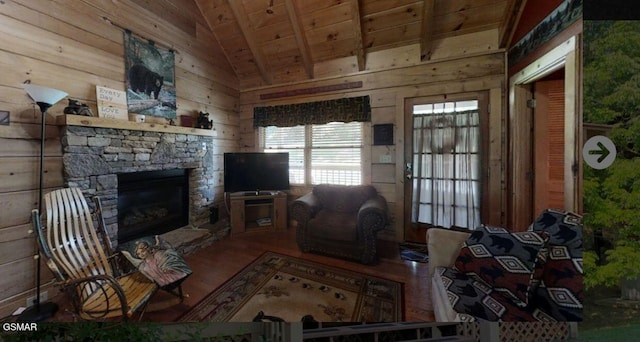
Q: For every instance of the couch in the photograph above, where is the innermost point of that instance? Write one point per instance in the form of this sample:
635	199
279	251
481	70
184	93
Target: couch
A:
340	221
495	275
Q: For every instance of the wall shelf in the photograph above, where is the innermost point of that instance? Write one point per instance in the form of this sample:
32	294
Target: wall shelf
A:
91	121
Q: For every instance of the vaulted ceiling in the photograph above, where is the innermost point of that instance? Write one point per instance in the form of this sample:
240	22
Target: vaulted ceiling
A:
279	41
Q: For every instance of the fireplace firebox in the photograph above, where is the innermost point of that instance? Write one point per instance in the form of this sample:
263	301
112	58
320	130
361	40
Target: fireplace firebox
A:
152	202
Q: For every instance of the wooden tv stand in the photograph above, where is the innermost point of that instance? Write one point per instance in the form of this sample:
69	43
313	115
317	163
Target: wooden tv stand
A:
247	208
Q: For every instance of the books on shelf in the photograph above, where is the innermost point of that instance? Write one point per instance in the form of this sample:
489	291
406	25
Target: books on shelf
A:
266	221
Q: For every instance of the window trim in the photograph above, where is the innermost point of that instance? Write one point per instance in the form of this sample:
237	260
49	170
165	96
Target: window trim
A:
484	109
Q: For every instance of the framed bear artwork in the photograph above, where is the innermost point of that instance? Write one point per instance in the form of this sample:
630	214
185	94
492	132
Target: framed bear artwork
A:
150	73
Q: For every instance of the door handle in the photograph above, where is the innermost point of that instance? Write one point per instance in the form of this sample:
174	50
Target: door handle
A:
408	171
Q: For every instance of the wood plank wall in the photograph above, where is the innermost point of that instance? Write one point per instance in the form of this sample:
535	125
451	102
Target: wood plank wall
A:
388	89
74	45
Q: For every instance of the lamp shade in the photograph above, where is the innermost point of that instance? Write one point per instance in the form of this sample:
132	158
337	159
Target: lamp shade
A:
42	94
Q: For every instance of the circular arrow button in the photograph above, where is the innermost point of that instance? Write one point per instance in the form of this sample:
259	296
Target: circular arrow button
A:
599	152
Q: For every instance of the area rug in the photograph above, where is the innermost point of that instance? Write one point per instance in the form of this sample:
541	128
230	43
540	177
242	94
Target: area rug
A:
280	287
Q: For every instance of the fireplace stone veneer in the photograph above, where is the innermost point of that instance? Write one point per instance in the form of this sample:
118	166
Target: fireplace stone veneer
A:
93	158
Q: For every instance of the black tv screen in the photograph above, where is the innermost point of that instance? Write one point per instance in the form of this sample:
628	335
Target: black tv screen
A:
255	171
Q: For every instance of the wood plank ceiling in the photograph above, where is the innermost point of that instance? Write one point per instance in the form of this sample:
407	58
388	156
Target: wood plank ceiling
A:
270	42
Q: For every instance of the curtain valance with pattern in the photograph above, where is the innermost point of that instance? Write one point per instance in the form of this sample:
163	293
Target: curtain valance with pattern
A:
321	112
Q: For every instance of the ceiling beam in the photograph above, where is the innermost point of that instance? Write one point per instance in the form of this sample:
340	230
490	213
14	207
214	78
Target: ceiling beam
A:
510	22
426	31
357	28
301	39
247	31
203	7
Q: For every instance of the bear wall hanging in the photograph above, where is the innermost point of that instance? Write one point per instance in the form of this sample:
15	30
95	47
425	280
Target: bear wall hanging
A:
150	72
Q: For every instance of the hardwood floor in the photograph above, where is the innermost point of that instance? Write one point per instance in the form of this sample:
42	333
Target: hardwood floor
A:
214	265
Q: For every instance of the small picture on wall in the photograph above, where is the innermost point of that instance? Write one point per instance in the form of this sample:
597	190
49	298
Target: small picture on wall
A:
383	134
4	118
150	73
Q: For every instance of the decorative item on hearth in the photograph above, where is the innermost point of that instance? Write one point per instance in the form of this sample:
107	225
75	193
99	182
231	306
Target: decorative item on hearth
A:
77	108
203	121
45	98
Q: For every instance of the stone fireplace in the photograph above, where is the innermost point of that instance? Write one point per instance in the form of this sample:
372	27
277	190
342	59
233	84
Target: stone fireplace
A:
97	159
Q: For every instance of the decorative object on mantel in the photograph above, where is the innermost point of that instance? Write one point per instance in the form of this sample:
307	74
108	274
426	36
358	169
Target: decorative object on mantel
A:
139	118
203	121
186	121
150	74
112	103
44	98
172	122
78	108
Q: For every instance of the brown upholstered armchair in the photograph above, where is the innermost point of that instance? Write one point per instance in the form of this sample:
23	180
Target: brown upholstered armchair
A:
340	220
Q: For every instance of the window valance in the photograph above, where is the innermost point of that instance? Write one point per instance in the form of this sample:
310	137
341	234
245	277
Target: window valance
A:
320	112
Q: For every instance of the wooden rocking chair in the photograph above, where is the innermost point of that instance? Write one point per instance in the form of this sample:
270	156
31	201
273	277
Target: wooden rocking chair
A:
83	261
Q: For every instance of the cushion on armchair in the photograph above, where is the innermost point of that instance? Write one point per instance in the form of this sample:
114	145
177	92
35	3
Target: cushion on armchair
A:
337	225
343	199
505	261
156	259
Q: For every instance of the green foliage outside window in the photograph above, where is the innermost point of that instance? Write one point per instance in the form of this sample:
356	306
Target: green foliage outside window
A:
612	196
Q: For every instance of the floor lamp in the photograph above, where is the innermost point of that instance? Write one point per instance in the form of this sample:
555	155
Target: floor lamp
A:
44	98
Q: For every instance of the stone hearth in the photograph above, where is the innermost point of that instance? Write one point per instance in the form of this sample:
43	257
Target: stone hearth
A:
93	157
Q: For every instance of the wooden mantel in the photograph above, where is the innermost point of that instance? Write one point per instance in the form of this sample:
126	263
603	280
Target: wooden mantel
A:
90	121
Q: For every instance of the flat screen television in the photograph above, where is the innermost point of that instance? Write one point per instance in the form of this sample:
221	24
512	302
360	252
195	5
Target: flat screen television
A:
255	171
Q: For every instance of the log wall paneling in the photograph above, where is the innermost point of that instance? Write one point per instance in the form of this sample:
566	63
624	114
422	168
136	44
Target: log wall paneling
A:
74	45
387	90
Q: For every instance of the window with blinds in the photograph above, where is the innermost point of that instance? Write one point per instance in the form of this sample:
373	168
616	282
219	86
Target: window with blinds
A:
328	154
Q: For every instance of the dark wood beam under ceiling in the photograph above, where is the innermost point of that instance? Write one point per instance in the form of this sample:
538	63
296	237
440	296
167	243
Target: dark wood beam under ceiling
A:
426	31
510	22
247	31
357	28
301	39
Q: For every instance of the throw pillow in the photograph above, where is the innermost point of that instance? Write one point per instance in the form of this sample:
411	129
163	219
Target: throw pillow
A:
504	260
562	288
156	259
564	228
